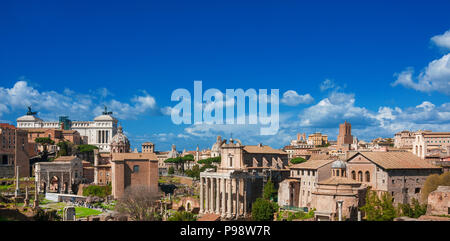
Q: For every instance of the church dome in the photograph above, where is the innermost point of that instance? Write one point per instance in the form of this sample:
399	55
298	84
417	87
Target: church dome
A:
338	164
120	138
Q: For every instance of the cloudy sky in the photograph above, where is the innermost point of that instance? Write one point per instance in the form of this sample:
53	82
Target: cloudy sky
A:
382	66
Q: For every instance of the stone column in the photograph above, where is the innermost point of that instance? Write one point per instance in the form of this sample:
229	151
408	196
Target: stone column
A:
340	209
223	208
211	204
70	182
206	195
238	192
17	192
47	187
61	186
202	196
217	210
234	185
229	198
244	194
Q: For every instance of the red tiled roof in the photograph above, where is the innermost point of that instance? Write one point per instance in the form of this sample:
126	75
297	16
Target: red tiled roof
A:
396	160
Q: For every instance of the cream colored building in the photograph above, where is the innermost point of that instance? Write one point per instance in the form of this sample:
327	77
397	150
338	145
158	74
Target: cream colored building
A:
307	174
404	139
317	139
98	132
425	141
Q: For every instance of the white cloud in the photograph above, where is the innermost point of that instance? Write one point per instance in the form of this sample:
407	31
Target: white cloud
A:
51	104
327	84
333	110
435	77
442	40
291	98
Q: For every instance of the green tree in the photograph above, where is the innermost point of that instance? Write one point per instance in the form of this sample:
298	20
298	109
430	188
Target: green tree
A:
182	216
269	191
96	190
194	172
298	160
171	171
44	141
377	209
86	150
414	210
65	148
263	210
432	182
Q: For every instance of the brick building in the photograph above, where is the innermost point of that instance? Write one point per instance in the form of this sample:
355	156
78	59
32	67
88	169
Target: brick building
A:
134	169
14	149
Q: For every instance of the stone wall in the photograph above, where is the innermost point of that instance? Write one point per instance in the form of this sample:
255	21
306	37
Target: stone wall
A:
439	201
6	171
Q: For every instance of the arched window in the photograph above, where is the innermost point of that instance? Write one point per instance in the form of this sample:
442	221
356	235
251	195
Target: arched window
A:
353	175
360	177
367	176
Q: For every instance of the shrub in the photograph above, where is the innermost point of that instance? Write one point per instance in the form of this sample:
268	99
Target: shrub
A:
182	216
98	191
298	160
263	210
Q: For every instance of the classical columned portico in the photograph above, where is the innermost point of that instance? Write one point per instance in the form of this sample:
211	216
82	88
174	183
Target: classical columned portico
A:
223	194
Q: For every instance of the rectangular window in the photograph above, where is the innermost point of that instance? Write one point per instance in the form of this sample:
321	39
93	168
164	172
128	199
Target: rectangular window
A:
417	190
136	168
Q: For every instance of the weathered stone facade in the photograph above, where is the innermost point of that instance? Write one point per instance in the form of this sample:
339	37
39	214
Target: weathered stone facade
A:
239	180
60	176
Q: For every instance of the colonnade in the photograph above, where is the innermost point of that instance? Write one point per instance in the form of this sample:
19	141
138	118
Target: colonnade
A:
224	196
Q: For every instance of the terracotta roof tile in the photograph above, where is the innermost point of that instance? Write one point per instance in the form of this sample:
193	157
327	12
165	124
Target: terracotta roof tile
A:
397	160
311	164
263	149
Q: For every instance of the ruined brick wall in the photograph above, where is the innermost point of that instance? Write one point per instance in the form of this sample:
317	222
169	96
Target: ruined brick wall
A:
439	201
21	157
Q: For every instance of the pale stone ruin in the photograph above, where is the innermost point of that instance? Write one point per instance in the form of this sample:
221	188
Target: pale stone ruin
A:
26	202
69	213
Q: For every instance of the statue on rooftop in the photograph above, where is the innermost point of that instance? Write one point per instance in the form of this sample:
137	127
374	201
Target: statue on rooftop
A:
106	112
31	112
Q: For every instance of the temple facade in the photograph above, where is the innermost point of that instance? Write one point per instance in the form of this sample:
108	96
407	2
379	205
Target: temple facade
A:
230	191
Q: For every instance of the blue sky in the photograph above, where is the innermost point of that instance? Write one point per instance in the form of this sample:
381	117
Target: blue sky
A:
384	66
